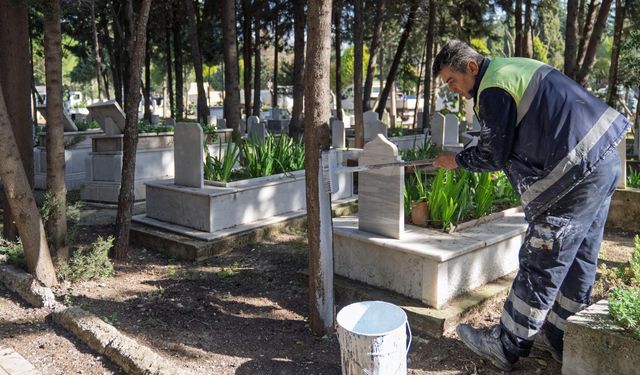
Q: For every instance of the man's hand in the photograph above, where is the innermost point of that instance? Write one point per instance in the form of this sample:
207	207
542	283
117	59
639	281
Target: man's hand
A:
446	160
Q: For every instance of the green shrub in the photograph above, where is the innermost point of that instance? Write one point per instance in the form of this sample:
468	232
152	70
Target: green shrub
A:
90	263
624	307
220	167
86	125
264	158
633	178
14	252
145	126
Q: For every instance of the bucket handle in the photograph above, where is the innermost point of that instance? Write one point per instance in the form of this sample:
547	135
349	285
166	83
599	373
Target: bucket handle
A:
409	337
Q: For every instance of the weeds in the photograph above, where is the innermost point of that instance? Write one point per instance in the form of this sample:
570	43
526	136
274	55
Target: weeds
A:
89	264
14	252
145	126
624	307
220	168
633	178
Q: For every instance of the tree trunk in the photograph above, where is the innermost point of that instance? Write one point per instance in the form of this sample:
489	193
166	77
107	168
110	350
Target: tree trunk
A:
358	34
337	18
231	78
56	186
373	52
594	42
587	29
246	54
16	80
317	112
257	103
612	92
519	37
295	126
527	48
391	76
147	82
570	36
427	78
196	58
167	55
136	46
177	62
115	63
276	42
96	48
421	66
118	54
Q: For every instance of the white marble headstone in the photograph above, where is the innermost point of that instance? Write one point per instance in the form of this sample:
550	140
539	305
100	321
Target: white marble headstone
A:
451	129
370	116
109	115
437	129
338	139
67	122
373	127
381	191
188	155
256	130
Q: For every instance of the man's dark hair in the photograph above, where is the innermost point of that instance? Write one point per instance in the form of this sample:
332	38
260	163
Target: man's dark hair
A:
455	54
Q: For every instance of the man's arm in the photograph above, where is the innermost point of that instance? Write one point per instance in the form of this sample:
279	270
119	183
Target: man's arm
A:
497	135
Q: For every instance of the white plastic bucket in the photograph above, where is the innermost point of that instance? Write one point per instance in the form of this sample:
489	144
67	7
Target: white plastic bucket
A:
374	338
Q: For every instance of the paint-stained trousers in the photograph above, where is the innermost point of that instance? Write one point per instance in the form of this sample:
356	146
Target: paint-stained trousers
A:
558	262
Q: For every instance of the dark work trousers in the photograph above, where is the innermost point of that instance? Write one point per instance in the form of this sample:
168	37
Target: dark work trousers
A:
558	261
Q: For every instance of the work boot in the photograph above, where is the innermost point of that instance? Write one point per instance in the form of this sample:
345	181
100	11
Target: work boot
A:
541	342
485	343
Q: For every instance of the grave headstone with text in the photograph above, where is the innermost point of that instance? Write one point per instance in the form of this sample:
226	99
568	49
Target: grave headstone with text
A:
437	129
188	155
381	191
256	130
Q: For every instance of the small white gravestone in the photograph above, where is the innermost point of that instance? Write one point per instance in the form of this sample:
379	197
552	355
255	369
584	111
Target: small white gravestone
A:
212	120
381	191
370	116
252	122
67	122
451	129
372	126
170	122
257	130
109	115
338	139
188	155
437	129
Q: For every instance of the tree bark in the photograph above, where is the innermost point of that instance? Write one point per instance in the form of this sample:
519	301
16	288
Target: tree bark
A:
426	108
571	35
391	76
196	58
519	38
246	54
612	91
231	77
373	52
167	55
136	46
276	42
177	62
295	126
337	19
56	186
114	56
587	29
594	42
358	36
15	78
527	49
147	83
96	48
317	112
257	102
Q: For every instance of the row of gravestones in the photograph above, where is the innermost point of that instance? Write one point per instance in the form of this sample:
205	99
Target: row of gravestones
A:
444	129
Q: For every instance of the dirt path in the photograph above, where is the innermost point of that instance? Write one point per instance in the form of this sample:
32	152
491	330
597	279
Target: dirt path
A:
241	313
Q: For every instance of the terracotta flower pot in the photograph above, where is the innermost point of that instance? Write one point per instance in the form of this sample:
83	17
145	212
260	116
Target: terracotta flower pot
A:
420	213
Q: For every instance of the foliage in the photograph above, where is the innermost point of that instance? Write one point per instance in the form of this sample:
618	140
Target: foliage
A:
347	61
621	276
220	167
264	158
483	197
540	50
210	133
87	124
48	207
633	178
428	151
630	60
480	45
145	126
624	307
89	264
14	252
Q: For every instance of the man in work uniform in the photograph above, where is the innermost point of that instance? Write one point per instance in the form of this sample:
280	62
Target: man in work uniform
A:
557	144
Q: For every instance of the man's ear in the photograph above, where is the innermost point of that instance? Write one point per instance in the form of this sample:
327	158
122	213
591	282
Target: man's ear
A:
472	67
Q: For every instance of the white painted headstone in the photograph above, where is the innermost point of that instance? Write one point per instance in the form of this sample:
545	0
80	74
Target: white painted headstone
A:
188	155
381	191
338	139
109	115
451	129
437	129
372	126
370	116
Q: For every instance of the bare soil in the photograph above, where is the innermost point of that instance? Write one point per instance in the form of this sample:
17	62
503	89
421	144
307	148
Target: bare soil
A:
240	313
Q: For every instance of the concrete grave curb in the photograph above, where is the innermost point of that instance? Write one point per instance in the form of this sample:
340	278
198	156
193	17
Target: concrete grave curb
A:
105	339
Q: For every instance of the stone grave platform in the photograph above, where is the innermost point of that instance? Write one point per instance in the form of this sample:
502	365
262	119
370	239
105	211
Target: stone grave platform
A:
426	264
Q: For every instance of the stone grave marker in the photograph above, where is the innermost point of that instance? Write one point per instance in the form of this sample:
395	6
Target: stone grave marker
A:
221	123
256	129
188	155
381	191
67	122
451	129
109	115
338	139
372	126
370	116
437	129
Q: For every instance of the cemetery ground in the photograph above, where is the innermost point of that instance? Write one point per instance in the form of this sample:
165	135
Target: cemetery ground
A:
243	312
